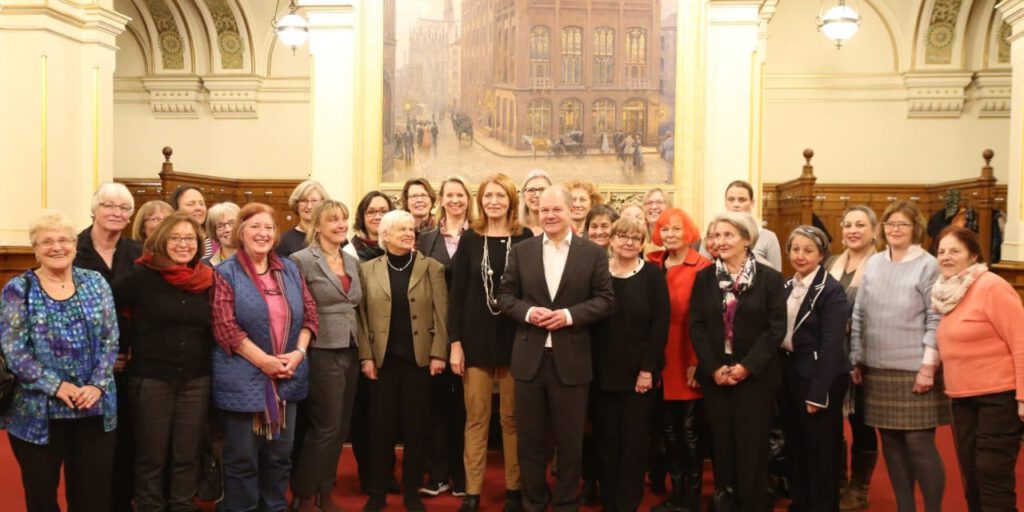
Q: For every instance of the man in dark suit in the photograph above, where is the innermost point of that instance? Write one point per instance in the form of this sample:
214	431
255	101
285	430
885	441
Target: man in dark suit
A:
556	286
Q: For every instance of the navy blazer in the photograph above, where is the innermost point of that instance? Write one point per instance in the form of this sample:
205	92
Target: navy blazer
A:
818	335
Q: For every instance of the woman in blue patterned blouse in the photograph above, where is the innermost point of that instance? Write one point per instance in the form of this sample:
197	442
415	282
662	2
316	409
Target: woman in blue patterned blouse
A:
58	330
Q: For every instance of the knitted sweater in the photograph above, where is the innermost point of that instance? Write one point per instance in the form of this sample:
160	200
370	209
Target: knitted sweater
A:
981	341
893	321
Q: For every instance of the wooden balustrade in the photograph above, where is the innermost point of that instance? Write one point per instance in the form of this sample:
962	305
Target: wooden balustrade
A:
789	204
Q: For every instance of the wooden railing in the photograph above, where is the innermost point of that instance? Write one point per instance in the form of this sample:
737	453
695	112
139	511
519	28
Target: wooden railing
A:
789	204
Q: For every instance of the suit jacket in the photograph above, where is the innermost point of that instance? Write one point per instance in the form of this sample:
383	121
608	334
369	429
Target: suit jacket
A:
335	307
758	329
585	290
428	304
818	335
431	244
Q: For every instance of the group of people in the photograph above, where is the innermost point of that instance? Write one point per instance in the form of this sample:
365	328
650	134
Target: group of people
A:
625	345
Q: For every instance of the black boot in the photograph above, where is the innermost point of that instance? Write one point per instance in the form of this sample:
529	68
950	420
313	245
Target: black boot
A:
674	503
471	503
725	501
513	501
691	493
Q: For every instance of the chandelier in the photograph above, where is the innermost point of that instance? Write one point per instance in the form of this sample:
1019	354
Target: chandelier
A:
291	28
839	23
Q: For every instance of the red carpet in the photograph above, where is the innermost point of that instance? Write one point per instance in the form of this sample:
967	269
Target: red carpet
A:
347	491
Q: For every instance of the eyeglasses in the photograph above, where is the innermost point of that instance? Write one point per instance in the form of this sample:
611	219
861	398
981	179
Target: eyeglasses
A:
626	238
376	213
655	202
310	202
111	206
183	240
418	196
49	243
225	225
534	190
155	218
897	225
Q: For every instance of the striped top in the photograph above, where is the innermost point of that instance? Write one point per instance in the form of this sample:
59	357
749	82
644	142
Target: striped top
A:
893	323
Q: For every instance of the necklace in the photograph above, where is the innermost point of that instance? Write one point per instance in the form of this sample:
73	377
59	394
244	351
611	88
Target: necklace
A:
63	282
396	269
487	274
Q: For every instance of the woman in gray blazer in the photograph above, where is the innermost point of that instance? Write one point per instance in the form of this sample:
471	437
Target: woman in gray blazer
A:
333	280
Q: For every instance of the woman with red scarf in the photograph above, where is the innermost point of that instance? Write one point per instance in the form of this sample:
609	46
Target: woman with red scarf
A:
165	299
263	320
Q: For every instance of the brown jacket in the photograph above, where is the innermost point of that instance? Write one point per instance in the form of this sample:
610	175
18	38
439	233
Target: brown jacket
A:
428	303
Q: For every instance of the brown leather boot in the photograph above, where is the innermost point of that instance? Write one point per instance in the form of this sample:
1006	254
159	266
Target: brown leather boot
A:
855	497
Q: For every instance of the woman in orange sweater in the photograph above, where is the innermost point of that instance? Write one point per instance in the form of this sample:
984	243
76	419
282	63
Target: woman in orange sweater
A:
982	349
680	414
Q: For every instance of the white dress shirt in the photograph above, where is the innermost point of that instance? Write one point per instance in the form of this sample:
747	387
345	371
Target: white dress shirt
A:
555	254
796	297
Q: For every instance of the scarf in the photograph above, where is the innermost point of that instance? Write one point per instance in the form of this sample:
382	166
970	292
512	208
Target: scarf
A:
731	291
271	420
838	267
195	279
947	292
366	249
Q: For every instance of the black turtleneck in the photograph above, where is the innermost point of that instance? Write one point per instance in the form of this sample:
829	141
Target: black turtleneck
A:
400	330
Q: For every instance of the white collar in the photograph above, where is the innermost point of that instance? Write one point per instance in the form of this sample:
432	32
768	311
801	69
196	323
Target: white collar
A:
807	280
913	252
565	241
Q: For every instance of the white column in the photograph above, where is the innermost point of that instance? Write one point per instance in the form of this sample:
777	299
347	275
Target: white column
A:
732	127
56	108
1013	243
332	44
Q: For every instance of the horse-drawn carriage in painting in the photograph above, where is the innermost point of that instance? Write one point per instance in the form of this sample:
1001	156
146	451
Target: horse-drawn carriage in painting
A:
569	144
463	126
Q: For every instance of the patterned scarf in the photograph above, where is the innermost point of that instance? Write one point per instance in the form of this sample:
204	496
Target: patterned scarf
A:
946	293
366	249
731	290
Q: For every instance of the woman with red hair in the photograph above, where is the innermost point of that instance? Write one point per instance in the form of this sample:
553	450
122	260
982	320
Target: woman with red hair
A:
676	232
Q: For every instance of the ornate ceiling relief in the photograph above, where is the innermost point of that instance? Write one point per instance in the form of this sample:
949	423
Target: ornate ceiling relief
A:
1005	31
229	42
941	31
172	47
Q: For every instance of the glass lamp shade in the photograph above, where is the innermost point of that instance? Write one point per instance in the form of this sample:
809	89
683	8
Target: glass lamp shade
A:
840	23
292	30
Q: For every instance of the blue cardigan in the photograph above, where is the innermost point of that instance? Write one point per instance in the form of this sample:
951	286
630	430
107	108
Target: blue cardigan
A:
238	385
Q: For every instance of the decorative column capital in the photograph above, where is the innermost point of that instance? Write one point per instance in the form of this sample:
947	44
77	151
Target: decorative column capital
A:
233	97
176	97
936	94
1012	11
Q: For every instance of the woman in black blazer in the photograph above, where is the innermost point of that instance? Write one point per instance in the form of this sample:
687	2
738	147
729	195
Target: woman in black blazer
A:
629	352
814	372
447	410
481	337
737	320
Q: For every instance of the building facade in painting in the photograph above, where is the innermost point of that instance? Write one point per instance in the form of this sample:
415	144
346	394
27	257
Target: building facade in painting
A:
544	68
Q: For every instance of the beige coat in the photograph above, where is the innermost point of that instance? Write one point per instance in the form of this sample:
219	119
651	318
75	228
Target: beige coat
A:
428	303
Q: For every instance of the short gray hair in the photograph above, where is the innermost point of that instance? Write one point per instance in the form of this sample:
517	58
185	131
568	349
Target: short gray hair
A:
743	222
304	189
50	220
216	213
388	221
111	190
560	190
813	234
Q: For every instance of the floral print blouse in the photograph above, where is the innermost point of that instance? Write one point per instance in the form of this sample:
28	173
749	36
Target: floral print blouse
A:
48	341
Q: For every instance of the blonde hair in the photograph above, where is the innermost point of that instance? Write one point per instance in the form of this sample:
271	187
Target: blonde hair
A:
50	220
322	210
458	180
589	188
628	225
146	210
304	189
218	212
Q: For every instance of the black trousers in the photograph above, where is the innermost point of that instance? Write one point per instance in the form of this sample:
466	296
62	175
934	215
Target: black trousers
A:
87	454
592	438
682	426
122	491
332	388
987	432
359	434
623	426
447	426
811	441
170	416
741	417
400	391
541	402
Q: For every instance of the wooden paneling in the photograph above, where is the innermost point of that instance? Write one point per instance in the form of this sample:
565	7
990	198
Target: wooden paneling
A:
15	260
789	204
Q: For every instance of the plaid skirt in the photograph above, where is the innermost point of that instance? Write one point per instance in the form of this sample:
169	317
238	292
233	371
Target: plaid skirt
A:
890	401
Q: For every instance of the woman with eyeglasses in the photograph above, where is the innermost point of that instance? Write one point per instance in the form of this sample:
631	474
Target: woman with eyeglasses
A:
859	227
168	327
895	357
263	321
655	202
103	247
680	416
148	217
365	245
59	334
221	223
628	357
304	199
533	186
418	198
814	372
480	337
